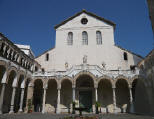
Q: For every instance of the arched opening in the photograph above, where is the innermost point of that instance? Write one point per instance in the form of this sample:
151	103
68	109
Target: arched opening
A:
8	92
2	71
105	96
122	94
85	94
25	93
51	96
38	95
18	94
66	95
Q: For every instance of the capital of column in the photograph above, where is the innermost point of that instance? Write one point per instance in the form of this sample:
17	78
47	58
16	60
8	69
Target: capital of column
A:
113	87
73	86
130	86
96	85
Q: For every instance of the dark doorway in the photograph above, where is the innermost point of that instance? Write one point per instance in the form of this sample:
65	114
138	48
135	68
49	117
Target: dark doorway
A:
85	100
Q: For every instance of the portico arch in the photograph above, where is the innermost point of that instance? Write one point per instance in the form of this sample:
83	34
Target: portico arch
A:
84	73
27	81
124	78
105	94
8	90
3	76
104	77
51	96
18	92
85	92
14	69
66	78
37	95
122	94
66	95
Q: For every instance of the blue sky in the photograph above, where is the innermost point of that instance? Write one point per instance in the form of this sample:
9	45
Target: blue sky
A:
32	21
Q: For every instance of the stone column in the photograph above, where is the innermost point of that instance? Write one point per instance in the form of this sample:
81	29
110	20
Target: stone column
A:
12	100
130	94
131	100
96	95
4	49
44	100
2	97
21	99
58	101
114	99
8	52
73	93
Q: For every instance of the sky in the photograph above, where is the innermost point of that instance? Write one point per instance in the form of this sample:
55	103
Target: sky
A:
31	22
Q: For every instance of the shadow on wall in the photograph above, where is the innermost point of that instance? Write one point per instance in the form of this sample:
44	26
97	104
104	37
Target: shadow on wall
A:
144	97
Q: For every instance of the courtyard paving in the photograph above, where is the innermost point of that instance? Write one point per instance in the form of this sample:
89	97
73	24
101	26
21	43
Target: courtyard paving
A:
60	116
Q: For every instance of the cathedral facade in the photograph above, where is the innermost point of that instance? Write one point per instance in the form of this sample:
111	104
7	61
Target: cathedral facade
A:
85	67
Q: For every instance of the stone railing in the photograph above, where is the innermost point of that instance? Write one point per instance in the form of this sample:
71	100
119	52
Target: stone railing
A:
90	68
11	52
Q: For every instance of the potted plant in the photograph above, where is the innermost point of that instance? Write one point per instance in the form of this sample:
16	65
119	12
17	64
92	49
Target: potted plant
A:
97	105
73	104
29	105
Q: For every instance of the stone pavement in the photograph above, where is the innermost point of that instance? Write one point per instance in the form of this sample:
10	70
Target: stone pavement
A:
60	116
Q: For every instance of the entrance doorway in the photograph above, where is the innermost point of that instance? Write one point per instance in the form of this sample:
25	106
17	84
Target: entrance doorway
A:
85	100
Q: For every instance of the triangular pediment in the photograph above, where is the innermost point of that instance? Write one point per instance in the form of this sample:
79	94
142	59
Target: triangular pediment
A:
89	14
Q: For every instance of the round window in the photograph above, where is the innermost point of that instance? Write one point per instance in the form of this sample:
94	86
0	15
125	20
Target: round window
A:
84	20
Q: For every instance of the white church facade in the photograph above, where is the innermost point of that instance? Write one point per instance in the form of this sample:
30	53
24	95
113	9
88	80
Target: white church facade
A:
84	67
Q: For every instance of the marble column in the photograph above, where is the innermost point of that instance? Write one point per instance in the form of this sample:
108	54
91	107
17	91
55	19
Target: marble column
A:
130	94
58	102
12	100
114	99
73	94
131	100
4	49
44	100
21	99
2	97
96	95
8	52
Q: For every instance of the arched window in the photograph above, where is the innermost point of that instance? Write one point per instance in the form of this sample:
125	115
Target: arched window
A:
84	38
125	56
70	38
98	37
47	57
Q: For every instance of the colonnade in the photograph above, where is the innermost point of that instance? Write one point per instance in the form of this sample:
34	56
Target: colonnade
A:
14	86
58	109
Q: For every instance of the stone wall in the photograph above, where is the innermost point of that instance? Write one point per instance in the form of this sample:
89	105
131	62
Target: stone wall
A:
144	99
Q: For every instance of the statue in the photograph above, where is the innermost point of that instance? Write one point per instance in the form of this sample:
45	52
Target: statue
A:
85	59
103	64
66	65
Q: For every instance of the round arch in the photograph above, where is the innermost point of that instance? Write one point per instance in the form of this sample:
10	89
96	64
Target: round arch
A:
55	79
3	73
66	78
51	95
36	78
66	95
122	94
85	73
105	94
134	78
107	78
122	77
9	72
38	95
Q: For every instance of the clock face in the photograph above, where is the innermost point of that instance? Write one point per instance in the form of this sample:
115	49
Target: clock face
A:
84	20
